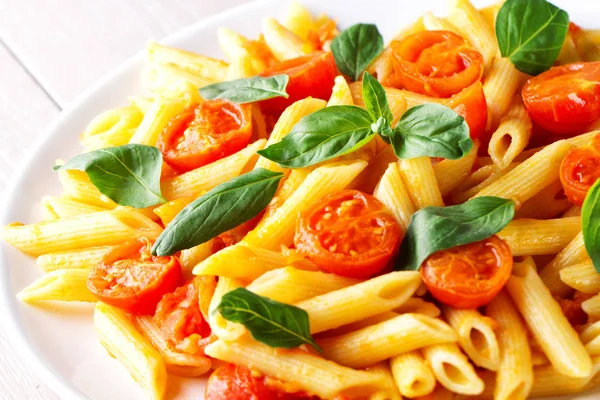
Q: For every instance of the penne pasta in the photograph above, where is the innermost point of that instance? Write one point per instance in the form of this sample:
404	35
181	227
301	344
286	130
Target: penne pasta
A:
387	389
283	43
221	327
592	307
413	376
60	208
590	337
156	119
499	87
392	192
340	95
549	382
452	369
419	178
58	285
74	259
581	277
528	237
553	199
450	173
114	127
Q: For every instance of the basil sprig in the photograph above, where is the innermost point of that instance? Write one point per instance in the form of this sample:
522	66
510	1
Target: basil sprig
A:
223	208
355	48
427	130
590	224
531	33
248	90
270	322
433	229
128	175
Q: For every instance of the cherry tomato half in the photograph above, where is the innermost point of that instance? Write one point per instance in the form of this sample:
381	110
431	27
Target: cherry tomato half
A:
348	233
579	170
470	104
310	75
434	63
468	276
204	133
131	278
179	317
564	99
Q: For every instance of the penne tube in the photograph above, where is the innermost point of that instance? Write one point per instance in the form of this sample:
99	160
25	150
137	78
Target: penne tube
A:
500	89
450	173
285	190
120	338
531	176
546	321
75	259
549	382
279	228
514	376
419	178
568	52
452	369
490	13
221	327
58	285
232	43
200	180
592	307
413	376
284	44
241	66
553	200
388	389
392	192
480	179
354	303
573	211
298	20
98	229
177	363
528	237
114	127
401	334
189	258
572	253
77	186
290	285
340	95
582	277
169	210
311	373
59	208
156	119
590	337
433	23
476	336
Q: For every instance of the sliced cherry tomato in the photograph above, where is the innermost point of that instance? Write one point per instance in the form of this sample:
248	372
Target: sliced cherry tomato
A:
470	104
348	233
564	99
231	382
468	276
310	75
204	133
571	308
579	170
131	278
179	317
259	50
434	63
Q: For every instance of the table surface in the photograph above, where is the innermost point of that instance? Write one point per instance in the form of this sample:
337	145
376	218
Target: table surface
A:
51	51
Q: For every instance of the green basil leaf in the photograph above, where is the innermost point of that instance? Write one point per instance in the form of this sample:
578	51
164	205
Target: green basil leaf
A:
590	222
531	33
355	48
128	175
433	229
248	90
270	322
431	130
322	135
376	103
223	208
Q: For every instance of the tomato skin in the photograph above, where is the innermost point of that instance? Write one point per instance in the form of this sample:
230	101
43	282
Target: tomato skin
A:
462	276
470	104
434	63
348	233
129	277
564	100
179	317
311	75
202	134
579	170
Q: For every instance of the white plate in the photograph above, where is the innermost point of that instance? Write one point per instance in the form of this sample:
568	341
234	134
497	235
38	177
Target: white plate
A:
60	345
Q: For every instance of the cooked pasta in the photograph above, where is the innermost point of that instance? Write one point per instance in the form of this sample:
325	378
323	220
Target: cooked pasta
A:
412	374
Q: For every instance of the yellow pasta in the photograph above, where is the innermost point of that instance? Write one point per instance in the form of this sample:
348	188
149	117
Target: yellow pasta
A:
341	95
512	135
77	186
568	52
387	389
477	181
553	200
221	327
412	374
450	173
433	23
549	382
392	192
298	20
120	338
420	181
592	307
582	277
60	207
75	259
114	127
500	86
452	369
58	285
156	119
283	43
528	237
590	337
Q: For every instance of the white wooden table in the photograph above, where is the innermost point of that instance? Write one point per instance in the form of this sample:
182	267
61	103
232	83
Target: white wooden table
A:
50	51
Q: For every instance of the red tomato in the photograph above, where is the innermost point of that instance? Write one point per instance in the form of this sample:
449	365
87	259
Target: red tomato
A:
571	308
468	276
180	318
258	49
204	133
579	170
564	99
470	104
131	278
310	75
348	233
434	63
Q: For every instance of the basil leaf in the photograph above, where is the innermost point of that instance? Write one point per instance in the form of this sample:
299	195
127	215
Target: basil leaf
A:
433	229
128	175
322	135
221	209
590	221
431	130
376	102
531	33
355	48
248	90
270	322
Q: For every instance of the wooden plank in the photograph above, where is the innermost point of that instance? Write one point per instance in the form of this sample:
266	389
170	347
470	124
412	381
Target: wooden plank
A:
24	111
69	44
